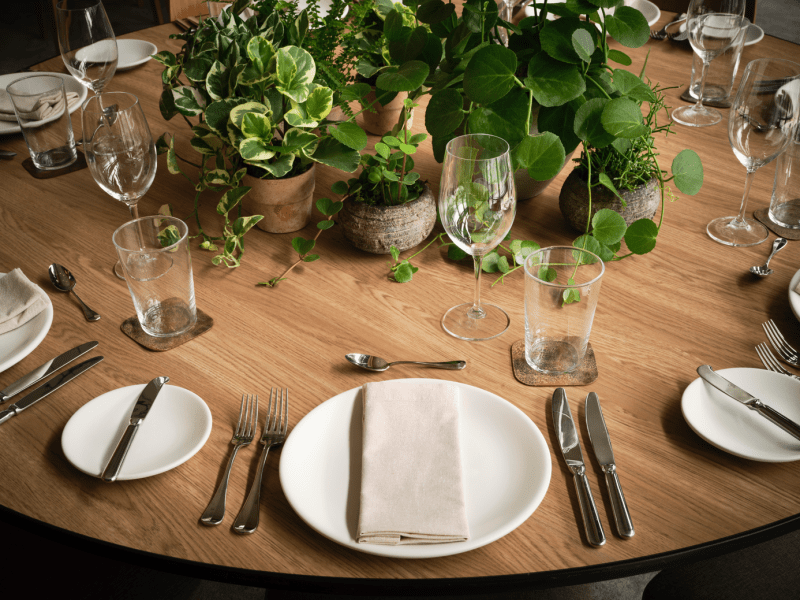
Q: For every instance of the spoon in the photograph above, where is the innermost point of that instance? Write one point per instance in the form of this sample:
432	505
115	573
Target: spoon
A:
64	281
764	270
376	363
7	154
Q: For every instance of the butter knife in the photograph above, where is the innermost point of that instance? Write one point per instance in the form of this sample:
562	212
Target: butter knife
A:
571	449
601	443
47	369
47	388
140	410
751	402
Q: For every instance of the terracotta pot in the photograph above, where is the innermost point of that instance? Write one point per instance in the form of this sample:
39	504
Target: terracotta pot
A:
528	187
285	203
376	228
385	116
641	203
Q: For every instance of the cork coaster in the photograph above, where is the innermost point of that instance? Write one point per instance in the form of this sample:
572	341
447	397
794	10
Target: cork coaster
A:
687	97
80	163
585	374
762	214
133	330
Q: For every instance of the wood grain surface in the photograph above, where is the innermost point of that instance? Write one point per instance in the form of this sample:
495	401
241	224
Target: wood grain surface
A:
690	302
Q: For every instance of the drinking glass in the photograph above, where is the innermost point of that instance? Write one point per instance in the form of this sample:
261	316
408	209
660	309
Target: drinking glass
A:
86	41
760	125
119	148
477	203
713	26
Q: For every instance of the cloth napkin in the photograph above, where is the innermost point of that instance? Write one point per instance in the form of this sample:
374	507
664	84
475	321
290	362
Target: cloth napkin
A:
412	488
37	109
20	300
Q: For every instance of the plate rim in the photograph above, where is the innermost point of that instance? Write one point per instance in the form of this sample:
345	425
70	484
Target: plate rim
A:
81	95
34	343
141	61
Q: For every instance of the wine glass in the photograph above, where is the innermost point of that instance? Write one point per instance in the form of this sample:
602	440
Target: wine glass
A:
87	43
119	148
477	203
760	125
713	26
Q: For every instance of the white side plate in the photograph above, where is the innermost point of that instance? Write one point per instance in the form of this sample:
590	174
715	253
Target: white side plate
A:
794	297
70	85
133	53
18	343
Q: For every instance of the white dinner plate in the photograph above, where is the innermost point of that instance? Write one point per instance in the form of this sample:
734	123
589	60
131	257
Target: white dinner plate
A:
505	458
70	85
133	53
18	343
731	426
794	297
753	34
650	11
174	430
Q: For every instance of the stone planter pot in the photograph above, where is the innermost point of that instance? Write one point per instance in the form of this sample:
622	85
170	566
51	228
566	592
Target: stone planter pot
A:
385	116
641	203
376	228
285	203
528	187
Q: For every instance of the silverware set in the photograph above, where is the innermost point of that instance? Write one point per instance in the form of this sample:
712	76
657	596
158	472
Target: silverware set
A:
275	429
787	353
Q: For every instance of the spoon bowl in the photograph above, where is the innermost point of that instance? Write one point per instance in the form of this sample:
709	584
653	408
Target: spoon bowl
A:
764	270
376	363
64	281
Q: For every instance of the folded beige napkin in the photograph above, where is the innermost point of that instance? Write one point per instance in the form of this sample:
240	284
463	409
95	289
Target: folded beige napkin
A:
412	488
20	300
38	109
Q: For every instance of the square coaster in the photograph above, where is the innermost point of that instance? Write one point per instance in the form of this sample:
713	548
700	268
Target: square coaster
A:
133	330
762	214
584	374
80	163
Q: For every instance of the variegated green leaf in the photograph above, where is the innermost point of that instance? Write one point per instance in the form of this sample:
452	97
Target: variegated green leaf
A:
295	72
277	169
298	141
319	103
217	81
256	125
217	177
298	117
231	198
260	51
255	149
188	101
238	113
172	159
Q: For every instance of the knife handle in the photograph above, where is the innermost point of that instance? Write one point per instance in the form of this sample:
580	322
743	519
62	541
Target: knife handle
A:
621	514
115	464
773	415
591	519
7	414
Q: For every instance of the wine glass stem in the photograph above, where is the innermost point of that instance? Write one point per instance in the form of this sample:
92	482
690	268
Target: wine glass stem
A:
699	104
476	312
740	221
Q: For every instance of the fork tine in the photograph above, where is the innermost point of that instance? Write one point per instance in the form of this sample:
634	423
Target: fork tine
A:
779	342
241	412
769	360
285	413
779	336
253	416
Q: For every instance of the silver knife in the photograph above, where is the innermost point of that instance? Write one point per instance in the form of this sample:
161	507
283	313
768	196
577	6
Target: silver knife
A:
47	369
571	449
47	388
140	410
601	443
751	402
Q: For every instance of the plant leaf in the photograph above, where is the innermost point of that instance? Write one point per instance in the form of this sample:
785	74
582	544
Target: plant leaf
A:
622	117
553	82
406	78
619	57
588	125
641	236
350	134
583	44
335	154
302	245
445	112
608	226
542	155
688	171
490	74
628	26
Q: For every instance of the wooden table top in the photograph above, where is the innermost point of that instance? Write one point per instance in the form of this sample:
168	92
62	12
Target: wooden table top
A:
660	316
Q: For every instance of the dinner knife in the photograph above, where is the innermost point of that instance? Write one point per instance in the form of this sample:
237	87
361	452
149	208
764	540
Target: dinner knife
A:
140	410
47	388
571	449
601	443
751	402
47	369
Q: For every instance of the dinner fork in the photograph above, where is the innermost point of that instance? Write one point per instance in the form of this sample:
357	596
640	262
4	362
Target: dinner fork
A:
785	351
275	427
661	34
215	511
771	362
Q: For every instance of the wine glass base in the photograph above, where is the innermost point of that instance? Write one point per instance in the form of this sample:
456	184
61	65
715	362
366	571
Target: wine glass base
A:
725	231
460	322
689	115
119	271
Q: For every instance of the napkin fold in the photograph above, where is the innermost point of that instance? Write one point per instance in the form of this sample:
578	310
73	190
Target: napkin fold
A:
37	109
20	300
412	487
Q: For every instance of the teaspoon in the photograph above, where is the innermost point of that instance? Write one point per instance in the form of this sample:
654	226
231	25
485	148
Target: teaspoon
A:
376	363
764	270
64	281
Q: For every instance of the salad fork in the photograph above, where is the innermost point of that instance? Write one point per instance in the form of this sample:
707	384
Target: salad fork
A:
785	351
771	362
661	34
275	427
215	511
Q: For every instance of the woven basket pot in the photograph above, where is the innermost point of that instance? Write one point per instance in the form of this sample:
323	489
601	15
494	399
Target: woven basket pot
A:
376	228
641	203
285	203
384	117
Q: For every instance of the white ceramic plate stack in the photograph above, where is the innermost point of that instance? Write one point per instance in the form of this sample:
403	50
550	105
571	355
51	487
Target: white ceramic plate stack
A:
70	85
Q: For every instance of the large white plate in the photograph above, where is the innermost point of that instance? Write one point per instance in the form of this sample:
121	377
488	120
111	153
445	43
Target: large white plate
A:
18	343
731	426
650	11
133	53
70	85
794	297
505	458
176	427
753	35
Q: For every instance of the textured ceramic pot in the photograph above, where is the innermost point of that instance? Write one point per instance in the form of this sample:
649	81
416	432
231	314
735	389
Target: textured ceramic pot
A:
376	229
285	203
384	117
641	203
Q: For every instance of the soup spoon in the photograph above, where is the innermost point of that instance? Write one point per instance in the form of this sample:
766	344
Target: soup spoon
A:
764	270
376	363
64	281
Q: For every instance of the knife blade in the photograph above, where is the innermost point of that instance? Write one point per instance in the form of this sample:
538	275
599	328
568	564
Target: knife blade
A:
601	444
571	450
750	401
143	405
45	370
48	388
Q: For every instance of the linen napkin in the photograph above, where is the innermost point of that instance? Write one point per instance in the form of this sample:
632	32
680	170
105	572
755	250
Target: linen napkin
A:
37	109
412	488
20	300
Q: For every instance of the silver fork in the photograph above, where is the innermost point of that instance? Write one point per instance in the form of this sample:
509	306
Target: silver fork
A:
785	351
661	34
771	362
275	427
215	511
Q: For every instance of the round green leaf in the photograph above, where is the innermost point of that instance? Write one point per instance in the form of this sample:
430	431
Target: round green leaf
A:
641	236
688	171
505	119
619	57
333	153
628	26
622	117
608	226
490	74
553	82
542	155
350	134
588	126
445	112
556	38
407	78
583	44
587	242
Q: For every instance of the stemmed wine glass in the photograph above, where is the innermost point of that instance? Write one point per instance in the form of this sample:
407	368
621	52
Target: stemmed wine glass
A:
713	26
87	43
760	125
477	203
119	148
